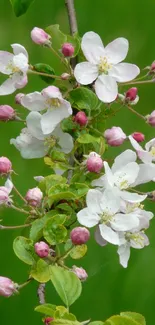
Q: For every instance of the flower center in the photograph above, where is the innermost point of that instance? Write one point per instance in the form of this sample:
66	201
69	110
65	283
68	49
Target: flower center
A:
14	69
136	237
53	102
152	151
50	141
105	218
104	65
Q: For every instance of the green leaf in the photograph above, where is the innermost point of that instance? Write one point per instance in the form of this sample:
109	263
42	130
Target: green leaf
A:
78	251
54	231
60	192
120	320
23	248
65	322
46	309
97	322
45	68
20	6
41	271
87	138
74	40
50	181
36	230
83	98
60	312
67	285
58	156
79	189
135	316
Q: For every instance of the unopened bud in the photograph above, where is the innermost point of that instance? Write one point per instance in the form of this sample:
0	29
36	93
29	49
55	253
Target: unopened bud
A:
6	113
79	235
138	136
94	162
115	136
131	94
41	249
152	67
81	118
65	76
4	195
151	119
67	49
80	272
34	196
39	36
7	287
5	165
48	320
18	98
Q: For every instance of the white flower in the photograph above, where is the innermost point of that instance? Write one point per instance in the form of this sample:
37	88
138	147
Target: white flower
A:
147	155
130	239
104	66
51	99
103	209
32	143
126	173
15	66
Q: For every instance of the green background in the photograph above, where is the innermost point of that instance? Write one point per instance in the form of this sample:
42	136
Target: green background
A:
109	288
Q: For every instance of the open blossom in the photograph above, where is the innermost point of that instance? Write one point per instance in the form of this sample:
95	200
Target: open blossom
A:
5	191
104	66
16	67
114	136
32	143
103	209
50	99
147	155
126	173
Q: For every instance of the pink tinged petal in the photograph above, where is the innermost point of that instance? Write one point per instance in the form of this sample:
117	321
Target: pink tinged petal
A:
124	222
92	47
34	126
127	175
106	88
123	72
108	174
132	197
117	50
8	87
34	101
53	117
109	235
145	175
22	82
123	159
87	218
109	202
17	49
6	62
85	73
93	200
124	254
99	239
51	92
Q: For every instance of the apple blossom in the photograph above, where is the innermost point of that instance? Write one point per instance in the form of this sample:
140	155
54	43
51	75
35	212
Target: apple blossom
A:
147	155
39	36
81	118
104	66
34	196
16	67
138	136
80	272
94	162
151	119
51	99
67	49
5	165
7	287
41	249
6	113
79	235
4	193
114	136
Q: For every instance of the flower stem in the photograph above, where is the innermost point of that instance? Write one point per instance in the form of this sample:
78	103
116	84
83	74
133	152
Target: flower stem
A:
19	194
20	286
138	82
18	209
135	112
15	227
44	74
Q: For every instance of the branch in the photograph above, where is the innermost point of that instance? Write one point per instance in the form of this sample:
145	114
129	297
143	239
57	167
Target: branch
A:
41	293
71	16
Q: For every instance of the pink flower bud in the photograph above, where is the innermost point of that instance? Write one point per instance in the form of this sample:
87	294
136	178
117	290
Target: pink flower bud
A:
80	272
34	196
151	119
131	94
138	136
79	235
6	113
4	195
7	287
67	49
94	162
39	36
152	67
5	165
65	76
81	118
114	136
18	98
48	320
41	249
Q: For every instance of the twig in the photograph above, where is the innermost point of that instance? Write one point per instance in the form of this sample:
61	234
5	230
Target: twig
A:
15	227
44	74
138	82
41	293
71	16
19	194
18	209
135	112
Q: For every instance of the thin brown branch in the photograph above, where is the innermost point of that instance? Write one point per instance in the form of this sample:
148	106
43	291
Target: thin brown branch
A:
71	16
15	227
41	293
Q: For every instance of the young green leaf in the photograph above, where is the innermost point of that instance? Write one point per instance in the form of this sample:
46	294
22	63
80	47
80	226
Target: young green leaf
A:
47	309
23	248
97	322
121	320
135	316
87	138
78	251
41	271
54	231
45	68
20	6
83	98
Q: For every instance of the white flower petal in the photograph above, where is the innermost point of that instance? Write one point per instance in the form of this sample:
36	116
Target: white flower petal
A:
150	144
123	159
124	72
92	47
65	140
140	241
34	101
17	49
135	144
6	62
117	50
85	73
106	88
9	185
109	235
99	239
124	254
8	87
127	175
34	126
108	174
109	202
20	62
132	197
87	218
99	182
52	92
145	175
124	222
93	200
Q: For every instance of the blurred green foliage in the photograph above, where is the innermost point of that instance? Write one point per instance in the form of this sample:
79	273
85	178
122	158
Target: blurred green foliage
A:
109	288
